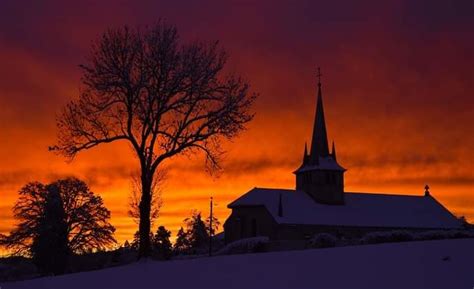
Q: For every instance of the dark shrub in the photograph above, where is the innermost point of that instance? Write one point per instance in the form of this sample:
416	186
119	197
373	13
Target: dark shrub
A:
323	240
249	245
447	234
387	237
432	235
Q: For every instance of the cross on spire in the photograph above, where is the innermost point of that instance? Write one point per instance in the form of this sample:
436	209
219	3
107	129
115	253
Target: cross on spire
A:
319	142
319	76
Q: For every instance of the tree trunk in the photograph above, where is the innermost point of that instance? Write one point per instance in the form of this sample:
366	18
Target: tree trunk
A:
144	249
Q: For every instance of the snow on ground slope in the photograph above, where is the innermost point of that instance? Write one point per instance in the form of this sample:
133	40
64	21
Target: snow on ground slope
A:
422	264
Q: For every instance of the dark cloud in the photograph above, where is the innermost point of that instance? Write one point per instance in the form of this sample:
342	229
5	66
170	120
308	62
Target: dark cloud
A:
405	180
388	159
235	166
256	165
95	176
10	178
439	15
107	175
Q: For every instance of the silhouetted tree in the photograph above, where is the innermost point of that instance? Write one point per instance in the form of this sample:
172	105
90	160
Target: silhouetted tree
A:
126	245
49	248
181	244
197	232
86	217
135	245
136	241
465	224
215	225
163	97
156	201
162	243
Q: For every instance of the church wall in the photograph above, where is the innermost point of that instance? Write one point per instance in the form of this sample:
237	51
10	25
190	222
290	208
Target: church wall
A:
305	232
249	221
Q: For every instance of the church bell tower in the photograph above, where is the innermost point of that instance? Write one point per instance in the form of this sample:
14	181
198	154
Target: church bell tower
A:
320	176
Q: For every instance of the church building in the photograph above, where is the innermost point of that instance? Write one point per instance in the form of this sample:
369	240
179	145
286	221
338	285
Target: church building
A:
319	203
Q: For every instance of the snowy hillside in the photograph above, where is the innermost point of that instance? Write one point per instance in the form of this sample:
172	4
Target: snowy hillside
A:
423	264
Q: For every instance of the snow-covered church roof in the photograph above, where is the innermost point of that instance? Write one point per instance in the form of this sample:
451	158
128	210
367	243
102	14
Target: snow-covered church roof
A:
360	209
324	163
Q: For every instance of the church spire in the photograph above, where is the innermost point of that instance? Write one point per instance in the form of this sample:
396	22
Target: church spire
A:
319	142
333	153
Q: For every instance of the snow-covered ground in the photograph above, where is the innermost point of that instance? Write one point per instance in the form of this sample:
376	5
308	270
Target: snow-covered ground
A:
422	264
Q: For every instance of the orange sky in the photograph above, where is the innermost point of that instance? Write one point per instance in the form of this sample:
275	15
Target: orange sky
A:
397	86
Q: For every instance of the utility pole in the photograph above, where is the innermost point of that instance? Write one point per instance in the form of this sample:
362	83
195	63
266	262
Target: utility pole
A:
210	230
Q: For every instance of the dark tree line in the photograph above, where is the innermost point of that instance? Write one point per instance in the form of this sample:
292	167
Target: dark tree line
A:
57	220
162	96
160	243
195	238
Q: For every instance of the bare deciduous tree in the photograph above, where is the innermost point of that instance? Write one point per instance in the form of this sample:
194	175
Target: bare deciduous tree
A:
163	97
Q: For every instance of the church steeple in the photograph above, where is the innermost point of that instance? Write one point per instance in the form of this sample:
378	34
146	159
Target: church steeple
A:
319	142
320	175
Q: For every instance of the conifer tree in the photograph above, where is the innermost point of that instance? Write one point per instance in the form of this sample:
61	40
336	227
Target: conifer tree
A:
162	243
215	225
198	234
50	244
181	245
126	245
136	240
